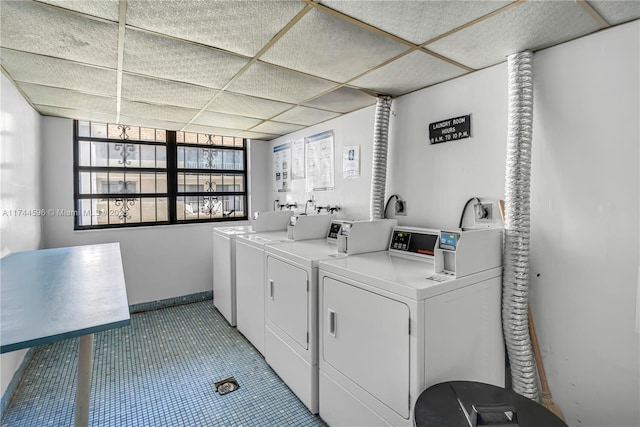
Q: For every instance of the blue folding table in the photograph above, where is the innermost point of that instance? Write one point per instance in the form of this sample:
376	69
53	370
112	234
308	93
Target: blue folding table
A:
53	294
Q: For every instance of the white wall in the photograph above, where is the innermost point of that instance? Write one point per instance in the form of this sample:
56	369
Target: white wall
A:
352	195
585	224
20	150
585	202
159	262
436	180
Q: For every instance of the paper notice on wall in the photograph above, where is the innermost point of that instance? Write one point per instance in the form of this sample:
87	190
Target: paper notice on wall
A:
282	167
351	162
319	162
297	159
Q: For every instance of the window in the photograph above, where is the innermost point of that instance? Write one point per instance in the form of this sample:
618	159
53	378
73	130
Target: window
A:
130	176
211	177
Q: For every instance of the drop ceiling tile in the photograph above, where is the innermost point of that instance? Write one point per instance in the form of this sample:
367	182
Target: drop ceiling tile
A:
305	116
249	106
158	56
55	97
209	118
107	9
343	100
213	130
46	30
44	70
257	135
617	12
532	25
107	118
415	21
150	123
268	81
157	91
157	112
330	47
242	27
409	73
276	128
75	114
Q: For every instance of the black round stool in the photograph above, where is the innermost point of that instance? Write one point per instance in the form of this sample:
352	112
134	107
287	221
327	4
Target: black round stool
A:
468	403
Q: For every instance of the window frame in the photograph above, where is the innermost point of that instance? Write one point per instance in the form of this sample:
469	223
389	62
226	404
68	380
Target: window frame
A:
212	171
172	170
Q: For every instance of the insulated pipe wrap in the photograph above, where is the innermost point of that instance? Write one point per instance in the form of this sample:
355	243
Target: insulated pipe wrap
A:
515	290
380	149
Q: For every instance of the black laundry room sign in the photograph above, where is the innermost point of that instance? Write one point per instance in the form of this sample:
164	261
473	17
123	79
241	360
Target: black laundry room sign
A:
450	129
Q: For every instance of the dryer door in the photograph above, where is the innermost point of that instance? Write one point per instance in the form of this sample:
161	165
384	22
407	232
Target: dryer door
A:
287	299
366	338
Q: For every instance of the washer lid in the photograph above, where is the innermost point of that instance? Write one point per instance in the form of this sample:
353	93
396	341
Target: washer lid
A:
406	277
234	231
262	239
307	253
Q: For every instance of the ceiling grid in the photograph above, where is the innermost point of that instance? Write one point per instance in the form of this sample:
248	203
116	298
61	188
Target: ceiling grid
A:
263	69
122	13
594	14
257	56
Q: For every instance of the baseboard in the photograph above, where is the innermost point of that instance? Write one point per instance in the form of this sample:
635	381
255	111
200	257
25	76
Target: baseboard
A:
170	302
15	380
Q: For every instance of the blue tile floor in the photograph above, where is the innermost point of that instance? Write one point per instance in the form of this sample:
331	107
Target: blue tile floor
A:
159	371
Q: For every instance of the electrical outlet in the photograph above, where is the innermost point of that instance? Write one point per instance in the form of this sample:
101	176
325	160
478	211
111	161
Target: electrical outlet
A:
483	213
401	208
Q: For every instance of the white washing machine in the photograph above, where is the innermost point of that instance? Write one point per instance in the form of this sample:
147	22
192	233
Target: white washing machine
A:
224	264
393	323
250	271
291	303
224	269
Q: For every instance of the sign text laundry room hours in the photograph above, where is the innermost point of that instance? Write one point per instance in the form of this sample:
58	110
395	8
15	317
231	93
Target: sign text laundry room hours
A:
450	129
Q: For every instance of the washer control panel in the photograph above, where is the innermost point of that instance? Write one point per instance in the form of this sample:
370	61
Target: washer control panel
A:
334	230
413	241
400	240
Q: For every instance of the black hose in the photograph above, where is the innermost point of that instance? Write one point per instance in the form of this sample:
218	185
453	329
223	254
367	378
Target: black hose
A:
465	208
386	206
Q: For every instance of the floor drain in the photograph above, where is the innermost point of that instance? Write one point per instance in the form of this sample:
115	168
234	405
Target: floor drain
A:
227	386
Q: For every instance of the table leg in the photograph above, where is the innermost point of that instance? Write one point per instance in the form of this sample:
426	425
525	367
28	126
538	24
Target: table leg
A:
83	391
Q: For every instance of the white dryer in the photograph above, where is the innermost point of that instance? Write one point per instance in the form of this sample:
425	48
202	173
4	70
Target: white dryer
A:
291	302
291	314
393	323
250	271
